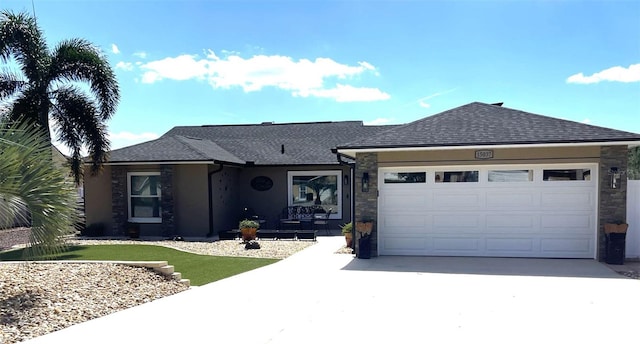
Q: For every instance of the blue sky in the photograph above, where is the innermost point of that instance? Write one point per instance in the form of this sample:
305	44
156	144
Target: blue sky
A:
383	62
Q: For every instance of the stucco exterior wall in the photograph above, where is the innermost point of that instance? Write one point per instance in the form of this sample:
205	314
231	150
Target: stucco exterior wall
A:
190	197
504	155
97	198
186	188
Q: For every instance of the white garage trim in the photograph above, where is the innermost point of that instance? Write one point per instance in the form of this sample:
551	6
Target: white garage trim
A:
501	218
352	151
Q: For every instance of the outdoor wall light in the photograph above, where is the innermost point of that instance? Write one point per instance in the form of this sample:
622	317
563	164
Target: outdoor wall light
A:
615	177
365	182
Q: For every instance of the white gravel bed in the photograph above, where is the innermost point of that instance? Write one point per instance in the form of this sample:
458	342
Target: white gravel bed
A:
278	249
36	299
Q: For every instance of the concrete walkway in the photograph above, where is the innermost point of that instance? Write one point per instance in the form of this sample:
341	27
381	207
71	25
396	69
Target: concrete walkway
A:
316	296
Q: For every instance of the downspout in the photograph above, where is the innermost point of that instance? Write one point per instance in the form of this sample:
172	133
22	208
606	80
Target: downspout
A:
210	188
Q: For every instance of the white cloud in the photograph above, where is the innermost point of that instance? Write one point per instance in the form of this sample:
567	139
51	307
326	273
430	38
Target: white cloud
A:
346	93
302	77
617	73
114	49
423	104
380	121
586	121
140	54
128	66
183	67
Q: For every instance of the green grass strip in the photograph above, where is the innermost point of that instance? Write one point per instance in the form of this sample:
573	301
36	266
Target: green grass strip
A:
200	269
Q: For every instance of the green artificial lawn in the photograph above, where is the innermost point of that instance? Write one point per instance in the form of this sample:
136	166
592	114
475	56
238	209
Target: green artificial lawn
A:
200	269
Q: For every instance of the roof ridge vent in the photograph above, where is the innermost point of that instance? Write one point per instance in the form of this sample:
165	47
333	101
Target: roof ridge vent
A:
266	123
498	104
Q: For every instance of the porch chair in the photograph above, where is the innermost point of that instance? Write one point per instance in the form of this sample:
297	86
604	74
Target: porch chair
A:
320	220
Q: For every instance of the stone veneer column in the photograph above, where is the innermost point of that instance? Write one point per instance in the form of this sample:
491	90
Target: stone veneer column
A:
119	201
166	200
612	205
367	202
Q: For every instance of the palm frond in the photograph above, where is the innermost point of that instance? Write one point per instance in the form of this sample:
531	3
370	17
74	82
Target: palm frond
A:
78	123
79	60
21	38
10	84
28	178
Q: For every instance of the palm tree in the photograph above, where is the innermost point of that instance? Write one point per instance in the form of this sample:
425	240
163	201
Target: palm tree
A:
52	85
28	180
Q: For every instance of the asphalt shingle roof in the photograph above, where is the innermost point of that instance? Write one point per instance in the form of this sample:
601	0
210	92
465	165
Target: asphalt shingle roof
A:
304	143
311	143
485	124
173	148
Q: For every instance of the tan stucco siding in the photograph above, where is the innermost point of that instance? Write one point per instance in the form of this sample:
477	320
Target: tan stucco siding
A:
500	156
97	197
190	200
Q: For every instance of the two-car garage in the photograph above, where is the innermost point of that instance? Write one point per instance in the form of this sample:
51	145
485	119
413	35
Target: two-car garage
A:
486	180
488	210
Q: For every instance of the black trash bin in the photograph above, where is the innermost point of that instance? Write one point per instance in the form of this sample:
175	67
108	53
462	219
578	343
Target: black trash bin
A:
364	244
615	248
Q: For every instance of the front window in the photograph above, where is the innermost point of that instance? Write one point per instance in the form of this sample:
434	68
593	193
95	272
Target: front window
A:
316	188
566	175
144	197
456	177
404	177
510	176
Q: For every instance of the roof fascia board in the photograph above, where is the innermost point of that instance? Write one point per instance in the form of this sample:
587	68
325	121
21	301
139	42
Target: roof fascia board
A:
352	151
208	162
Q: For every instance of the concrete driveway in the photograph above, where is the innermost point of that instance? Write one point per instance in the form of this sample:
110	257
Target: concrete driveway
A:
316	296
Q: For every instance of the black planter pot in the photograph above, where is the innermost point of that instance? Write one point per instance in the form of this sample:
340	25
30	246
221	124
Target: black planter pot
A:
133	229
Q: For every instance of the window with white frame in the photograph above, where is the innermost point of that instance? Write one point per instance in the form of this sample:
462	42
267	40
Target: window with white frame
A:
319	188
144	197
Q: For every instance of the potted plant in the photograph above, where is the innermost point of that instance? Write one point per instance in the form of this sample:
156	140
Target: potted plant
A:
365	226
617	227
248	228
347	232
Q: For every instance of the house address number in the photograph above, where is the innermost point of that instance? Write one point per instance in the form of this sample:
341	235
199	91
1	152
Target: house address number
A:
484	154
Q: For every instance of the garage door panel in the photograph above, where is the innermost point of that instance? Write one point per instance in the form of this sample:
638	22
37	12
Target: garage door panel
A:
565	199
460	223
501	199
456	200
405	243
567	223
566	245
509	245
451	244
406	202
511	223
416	220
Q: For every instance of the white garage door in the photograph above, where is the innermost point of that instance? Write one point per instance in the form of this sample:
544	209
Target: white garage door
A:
496	211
